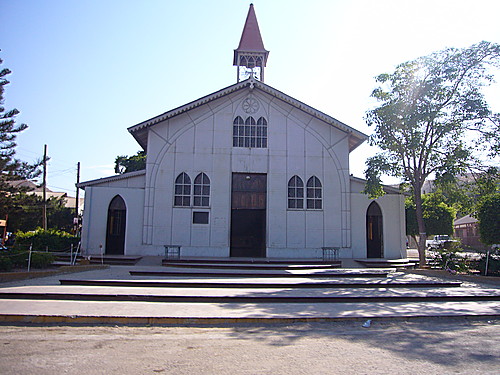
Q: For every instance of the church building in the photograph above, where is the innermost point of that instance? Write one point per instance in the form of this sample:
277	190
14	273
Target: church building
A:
246	171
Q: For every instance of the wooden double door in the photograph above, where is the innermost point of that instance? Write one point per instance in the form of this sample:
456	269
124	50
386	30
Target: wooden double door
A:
248	215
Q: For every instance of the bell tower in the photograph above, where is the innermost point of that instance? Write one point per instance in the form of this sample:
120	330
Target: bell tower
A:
250	57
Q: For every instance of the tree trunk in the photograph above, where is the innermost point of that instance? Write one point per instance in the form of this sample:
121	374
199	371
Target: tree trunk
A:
419	213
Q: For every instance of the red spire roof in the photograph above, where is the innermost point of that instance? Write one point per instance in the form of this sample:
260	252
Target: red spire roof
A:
250	38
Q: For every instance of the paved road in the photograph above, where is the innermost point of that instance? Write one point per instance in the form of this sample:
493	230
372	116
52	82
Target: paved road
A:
430	346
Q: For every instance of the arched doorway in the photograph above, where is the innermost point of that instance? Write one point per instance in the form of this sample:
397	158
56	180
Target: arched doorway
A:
374	232
115	232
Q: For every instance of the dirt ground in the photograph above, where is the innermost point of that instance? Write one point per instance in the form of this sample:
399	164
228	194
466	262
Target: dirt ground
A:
418	346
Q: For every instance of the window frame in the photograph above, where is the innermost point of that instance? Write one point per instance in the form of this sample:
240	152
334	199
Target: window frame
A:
182	190
295	193
314	194
201	190
250	133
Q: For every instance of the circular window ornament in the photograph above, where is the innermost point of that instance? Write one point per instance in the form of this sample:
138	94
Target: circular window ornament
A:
250	105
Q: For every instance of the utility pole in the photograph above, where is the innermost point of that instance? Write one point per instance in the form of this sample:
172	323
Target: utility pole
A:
77	197
44	212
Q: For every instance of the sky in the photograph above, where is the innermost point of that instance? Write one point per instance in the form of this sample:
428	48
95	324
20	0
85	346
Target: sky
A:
83	71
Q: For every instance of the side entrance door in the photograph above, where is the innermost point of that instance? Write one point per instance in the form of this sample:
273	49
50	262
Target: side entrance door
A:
115	232
248	215
374	232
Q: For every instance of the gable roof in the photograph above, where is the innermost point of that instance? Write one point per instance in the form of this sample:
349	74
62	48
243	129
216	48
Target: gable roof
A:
467	219
139	131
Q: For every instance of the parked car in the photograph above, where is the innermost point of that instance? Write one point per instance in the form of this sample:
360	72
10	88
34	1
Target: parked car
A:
439	241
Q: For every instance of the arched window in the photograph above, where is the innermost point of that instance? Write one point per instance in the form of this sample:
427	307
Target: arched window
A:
295	192
250	133
182	194
251	62
261	132
238	132
201	194
314	195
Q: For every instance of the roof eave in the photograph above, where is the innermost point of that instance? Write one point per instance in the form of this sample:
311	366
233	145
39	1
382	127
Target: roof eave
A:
83	185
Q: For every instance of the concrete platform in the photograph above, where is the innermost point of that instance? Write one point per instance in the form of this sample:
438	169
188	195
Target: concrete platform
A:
124	298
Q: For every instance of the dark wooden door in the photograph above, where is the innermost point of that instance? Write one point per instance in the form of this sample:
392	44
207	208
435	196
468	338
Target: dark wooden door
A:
115	231
374	232
248	215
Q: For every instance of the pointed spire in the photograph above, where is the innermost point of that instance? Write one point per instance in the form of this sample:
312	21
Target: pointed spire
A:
251	39
251	53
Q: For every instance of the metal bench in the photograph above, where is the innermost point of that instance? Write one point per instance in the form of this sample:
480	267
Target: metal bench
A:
331	253
172	251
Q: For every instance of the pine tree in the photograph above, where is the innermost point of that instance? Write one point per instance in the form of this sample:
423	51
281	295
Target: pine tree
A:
11	169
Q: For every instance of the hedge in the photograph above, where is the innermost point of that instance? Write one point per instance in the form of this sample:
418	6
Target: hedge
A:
52	239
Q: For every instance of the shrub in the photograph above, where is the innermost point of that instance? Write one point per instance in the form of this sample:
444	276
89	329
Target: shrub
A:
493	264
5	263
41	260
52	239
447	258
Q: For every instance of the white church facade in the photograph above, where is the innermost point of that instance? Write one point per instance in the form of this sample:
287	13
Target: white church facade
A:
246	171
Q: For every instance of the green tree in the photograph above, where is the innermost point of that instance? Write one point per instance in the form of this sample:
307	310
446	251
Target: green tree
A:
125	164
11	169
488	215
25	213
427	107
438	216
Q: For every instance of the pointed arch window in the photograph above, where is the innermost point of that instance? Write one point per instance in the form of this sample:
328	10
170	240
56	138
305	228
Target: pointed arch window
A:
261	140
251	62
250	133
201	193
182	194
295	193
314	194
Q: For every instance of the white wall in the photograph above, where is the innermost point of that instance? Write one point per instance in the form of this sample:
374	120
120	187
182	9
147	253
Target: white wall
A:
97	200
392	207
201	141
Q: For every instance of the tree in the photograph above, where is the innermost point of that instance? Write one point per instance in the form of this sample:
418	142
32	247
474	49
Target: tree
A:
427	107
11	169
25	213
125	164
488	215
438	216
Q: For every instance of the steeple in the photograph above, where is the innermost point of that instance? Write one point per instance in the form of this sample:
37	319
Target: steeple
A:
250	57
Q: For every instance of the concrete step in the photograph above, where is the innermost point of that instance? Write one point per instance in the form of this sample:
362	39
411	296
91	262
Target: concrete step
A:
250	261
106	259
202	295
384	263
147	313
317	273
263	283
252	266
